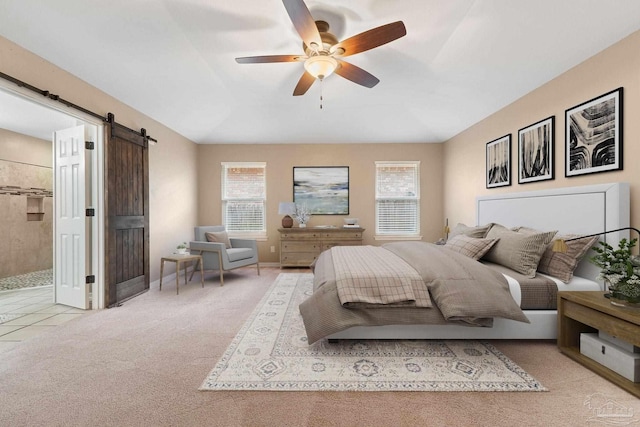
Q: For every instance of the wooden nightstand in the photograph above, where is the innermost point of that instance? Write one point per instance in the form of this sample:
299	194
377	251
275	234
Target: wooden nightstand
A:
590	311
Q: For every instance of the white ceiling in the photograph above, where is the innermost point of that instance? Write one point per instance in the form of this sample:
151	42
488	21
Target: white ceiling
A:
173	60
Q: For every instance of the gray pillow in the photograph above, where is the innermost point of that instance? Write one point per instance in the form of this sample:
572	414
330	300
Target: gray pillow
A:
558	264
517	251
477	232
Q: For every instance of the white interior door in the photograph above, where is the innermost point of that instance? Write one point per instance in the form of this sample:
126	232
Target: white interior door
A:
72	231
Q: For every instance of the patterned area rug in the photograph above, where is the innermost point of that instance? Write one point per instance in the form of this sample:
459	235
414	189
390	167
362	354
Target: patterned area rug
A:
271	353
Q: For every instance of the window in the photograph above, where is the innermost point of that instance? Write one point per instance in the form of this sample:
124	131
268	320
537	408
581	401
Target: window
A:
244	198
397	199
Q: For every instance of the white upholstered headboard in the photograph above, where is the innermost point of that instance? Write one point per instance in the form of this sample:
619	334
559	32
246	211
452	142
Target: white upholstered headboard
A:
576	210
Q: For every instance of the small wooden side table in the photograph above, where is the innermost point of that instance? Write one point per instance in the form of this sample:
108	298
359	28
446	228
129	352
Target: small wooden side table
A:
181	259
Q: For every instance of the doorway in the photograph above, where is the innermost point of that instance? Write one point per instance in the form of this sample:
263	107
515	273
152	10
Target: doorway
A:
28	114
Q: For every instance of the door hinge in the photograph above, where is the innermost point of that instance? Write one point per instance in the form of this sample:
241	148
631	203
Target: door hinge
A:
91	212
91	279
89	145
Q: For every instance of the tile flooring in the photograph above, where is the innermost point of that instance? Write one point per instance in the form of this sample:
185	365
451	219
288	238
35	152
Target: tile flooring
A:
27	312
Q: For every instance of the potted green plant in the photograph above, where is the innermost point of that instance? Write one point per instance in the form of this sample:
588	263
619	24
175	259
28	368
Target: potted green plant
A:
620	271
182	248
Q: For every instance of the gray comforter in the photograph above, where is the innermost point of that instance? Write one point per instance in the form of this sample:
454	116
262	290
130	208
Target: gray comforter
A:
463	291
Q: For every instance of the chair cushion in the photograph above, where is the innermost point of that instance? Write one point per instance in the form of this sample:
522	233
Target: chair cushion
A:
236	254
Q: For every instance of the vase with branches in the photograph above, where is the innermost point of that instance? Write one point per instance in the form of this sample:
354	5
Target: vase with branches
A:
302	215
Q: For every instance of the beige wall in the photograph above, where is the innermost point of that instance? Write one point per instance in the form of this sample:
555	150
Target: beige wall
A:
185	178
173	185
617	66
16	147
27	246
360	158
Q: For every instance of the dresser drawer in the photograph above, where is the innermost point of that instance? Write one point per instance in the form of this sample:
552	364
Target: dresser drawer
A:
300	236
342	235
329	244
297	259
300	246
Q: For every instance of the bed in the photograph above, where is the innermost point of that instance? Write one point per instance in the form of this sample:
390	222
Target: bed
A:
573	210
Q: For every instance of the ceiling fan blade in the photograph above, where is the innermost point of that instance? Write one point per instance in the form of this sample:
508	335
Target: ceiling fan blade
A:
303	22
356	74
370	39
268	58
304	84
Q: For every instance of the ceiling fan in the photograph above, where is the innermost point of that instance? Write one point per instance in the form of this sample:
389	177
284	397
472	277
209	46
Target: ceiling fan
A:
323	50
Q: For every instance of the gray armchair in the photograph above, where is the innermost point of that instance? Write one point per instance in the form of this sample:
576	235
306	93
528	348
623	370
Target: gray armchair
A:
216	256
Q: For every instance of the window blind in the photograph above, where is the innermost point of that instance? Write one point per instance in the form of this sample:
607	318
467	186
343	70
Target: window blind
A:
398	198
244	197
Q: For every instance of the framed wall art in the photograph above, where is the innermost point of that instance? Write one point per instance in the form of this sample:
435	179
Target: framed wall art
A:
535	151
499	162
593	135
323	189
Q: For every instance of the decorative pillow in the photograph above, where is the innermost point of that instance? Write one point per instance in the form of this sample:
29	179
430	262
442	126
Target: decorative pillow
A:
469	246
517	251
478	232
562	264
218	237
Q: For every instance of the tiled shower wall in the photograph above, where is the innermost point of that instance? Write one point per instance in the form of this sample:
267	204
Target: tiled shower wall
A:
26	241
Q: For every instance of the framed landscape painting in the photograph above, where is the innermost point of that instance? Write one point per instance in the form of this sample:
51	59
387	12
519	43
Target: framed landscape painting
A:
323	189
593	135
535	151
499	162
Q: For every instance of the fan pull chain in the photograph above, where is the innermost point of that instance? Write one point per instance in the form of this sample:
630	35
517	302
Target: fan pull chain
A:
321	80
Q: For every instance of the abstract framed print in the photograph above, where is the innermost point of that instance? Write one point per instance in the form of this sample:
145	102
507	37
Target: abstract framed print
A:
499	162
324	190
593	135
535	151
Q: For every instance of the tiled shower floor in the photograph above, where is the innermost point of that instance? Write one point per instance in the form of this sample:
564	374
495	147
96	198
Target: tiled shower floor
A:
28	311
29	280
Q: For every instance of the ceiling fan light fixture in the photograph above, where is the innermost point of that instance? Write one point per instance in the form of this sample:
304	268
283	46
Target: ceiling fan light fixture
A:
320	66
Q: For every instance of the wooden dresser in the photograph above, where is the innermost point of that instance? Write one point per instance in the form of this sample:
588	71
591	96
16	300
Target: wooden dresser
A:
299	247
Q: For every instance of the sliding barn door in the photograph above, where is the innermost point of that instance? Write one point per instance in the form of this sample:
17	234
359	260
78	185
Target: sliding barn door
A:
127	214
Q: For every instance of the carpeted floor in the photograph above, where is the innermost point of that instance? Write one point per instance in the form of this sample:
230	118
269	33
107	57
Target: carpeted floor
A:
141	365
271	352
